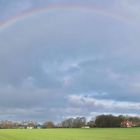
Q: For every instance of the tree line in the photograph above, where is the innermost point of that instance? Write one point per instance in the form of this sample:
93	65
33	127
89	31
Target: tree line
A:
101	121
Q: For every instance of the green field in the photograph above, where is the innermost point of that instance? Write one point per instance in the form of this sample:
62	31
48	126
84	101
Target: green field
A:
72	134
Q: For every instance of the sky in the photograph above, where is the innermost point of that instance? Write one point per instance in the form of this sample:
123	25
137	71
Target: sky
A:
69	58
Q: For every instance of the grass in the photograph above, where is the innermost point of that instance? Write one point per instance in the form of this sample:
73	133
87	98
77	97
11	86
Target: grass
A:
71	134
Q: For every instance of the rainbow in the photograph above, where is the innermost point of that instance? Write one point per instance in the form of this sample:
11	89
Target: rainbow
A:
12	20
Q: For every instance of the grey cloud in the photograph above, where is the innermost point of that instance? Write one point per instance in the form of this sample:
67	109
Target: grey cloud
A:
104	104
48	57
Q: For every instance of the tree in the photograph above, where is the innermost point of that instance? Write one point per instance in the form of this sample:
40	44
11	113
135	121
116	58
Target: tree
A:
91	123
108	121
48	124
79	122
6	124
74	123
68	123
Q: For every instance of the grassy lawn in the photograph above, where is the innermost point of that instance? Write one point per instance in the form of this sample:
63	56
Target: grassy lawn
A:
72	134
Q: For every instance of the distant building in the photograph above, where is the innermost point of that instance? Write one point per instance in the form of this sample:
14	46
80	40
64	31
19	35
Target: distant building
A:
30	127
39	126
127	124
86	126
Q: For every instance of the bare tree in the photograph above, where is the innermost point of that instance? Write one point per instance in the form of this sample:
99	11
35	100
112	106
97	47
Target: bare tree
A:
48	124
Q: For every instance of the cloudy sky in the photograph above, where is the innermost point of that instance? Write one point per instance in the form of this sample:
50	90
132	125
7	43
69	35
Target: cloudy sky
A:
67	58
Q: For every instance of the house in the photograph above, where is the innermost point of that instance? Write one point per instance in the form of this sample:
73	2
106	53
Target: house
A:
127	124
30	127
39	126
86	126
